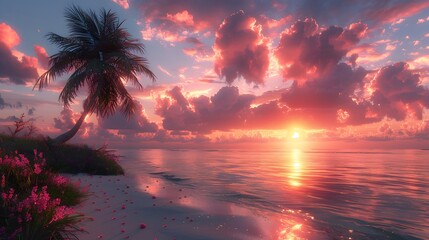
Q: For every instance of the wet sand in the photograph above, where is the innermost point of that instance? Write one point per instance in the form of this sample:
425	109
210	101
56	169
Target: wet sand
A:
143	207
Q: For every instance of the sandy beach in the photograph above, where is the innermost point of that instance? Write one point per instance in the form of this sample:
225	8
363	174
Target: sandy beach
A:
143	207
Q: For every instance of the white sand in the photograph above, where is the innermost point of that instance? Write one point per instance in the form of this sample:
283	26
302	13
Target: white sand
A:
119	205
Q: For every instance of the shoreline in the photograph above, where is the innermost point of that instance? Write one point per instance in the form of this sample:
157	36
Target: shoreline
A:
144	207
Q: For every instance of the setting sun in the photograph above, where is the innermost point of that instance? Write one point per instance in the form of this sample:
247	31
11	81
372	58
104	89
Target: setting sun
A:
295	135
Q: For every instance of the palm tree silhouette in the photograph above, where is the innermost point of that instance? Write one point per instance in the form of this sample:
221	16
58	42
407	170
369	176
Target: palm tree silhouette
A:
101	54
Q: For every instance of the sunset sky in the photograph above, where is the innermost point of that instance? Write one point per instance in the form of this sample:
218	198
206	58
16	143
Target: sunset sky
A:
240	71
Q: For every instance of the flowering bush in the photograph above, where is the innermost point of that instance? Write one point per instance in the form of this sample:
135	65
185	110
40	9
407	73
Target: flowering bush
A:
34	202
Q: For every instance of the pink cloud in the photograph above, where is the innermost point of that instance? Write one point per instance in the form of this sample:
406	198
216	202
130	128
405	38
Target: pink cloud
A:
163	32
399	21
305	52
42	56
198	50
29	61
183	17
137	123
229	110
269	96
226	110
9	36
373	12
165	71
368	53
66	120
195	17
335	99
385	129
270	23
422	20
191	18
123	3
242	50
422	131
204	15
171	26
88	132
13	69
398	93
421	61
271	26
390	11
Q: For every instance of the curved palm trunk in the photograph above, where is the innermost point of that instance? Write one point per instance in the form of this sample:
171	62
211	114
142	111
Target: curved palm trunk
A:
69	134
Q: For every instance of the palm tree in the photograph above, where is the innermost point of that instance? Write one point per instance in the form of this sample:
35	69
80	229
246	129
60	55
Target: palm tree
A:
101	54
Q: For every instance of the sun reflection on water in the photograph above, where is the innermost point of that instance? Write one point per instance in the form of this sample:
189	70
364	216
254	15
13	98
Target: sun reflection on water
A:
296	168
295	225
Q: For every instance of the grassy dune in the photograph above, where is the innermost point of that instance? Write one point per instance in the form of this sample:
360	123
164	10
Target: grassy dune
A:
64	158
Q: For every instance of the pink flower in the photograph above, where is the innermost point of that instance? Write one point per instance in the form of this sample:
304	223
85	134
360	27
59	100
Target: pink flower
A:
59	180
4	196
60	213
37	169
28	217
3	181
8	197
39	201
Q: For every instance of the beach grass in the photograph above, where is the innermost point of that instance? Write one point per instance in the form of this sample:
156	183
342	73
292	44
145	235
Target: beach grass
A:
64	158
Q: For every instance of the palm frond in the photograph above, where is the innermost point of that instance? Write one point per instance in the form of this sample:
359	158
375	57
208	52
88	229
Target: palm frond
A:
60	63
101	53
128	106
66	44
76	81
82	25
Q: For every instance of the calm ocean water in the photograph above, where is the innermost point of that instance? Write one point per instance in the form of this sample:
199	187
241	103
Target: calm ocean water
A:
358	194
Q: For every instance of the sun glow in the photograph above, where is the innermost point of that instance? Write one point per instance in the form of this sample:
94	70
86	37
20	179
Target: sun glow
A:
295	135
